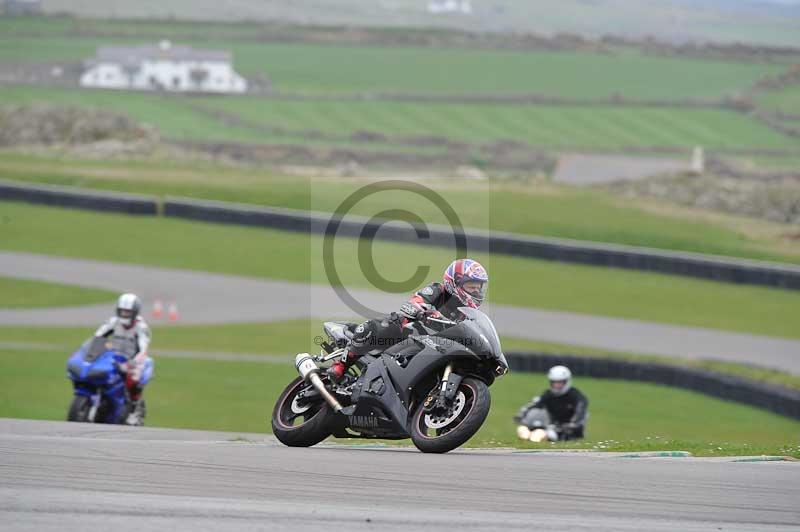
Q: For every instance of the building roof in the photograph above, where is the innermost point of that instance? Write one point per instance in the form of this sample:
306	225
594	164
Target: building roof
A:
133	56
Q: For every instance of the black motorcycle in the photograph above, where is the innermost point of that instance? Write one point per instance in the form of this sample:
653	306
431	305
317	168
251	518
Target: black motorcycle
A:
432	387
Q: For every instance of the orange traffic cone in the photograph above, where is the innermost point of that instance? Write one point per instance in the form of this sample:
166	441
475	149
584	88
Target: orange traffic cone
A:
158	309
172	312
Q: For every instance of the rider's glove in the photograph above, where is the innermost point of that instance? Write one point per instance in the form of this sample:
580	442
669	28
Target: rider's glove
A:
433	313
410	310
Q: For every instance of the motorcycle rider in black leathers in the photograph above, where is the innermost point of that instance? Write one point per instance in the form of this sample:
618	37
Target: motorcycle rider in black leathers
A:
464	285
565	406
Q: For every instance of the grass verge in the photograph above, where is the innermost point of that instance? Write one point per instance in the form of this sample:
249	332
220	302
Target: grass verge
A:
18	293
752	372
238	396
293	336
546	210
251	252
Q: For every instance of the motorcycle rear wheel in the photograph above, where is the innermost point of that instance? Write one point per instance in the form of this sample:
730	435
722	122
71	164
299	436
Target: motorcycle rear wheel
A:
316	419
79	409
441	434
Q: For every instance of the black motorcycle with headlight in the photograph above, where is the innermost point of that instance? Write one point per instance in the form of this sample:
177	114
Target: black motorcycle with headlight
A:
432	387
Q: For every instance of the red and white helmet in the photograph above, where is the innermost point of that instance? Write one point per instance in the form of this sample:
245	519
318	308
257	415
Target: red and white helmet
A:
464	271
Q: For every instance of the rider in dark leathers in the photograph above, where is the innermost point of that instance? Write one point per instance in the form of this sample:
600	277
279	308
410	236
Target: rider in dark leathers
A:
565	404
465	283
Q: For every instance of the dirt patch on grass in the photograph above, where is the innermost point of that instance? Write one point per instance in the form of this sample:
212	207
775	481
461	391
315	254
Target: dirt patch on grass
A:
49	125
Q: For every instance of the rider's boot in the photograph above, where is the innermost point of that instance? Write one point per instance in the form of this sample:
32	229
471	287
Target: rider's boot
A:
339	368
136	417
137	410
337	371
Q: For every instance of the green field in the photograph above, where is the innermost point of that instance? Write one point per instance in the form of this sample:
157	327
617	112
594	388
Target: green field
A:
238	396
599	127
341	69
19	293
536	209
251	252
325	76
332	68
547	126
314	86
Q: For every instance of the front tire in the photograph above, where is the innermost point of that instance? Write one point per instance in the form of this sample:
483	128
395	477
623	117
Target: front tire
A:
79	409
432	434
315	420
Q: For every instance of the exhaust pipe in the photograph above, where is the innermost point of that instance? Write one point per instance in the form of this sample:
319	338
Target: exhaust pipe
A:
310	372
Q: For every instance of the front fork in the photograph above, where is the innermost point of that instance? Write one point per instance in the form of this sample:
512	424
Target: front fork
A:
95	405
94	395
446	392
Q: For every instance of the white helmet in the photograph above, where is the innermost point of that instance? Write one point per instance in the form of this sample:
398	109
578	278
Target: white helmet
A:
559	374
128	307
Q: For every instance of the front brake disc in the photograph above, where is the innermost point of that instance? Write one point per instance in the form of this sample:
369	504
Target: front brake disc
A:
438	421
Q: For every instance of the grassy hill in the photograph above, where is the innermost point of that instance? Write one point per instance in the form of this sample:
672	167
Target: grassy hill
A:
323	91
326	69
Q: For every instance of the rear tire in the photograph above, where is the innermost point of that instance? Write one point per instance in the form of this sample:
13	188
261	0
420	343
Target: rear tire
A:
477	403
311	431
79	409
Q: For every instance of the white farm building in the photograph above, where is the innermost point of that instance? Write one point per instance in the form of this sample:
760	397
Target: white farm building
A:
162	67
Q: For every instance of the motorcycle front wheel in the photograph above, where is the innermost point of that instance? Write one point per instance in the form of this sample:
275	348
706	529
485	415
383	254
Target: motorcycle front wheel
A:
79	409
299	425
440	432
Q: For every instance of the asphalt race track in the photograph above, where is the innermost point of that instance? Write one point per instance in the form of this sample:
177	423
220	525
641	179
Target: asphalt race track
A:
215	298
63	476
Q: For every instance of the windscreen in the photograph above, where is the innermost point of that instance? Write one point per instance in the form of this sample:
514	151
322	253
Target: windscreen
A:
489	332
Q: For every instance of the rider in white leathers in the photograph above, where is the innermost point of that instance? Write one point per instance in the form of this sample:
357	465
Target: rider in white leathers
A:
130	336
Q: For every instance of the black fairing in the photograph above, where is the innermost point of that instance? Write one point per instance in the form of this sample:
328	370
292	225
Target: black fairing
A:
385	392
374	394
423	364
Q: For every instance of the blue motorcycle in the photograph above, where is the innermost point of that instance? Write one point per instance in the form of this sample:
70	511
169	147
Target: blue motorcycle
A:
98	376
